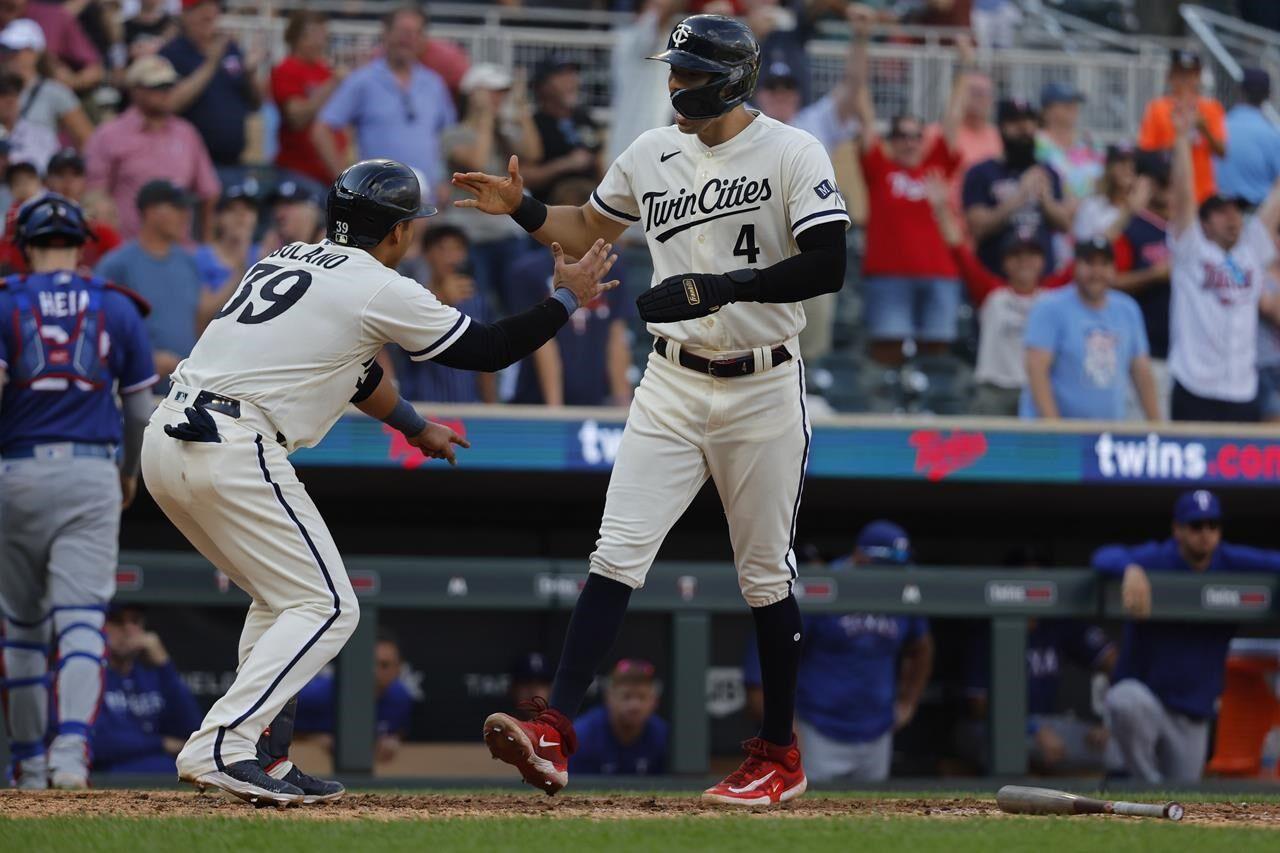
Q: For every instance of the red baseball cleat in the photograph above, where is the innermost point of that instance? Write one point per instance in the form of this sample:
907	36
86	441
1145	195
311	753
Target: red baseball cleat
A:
771	774
539	749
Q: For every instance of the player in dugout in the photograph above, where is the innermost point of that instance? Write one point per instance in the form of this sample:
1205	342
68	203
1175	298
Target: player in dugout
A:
1170	674
861	675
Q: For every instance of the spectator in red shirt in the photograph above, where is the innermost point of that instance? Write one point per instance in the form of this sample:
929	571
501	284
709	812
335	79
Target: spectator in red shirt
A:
1003	303
73	59
911	287
65	177
300	85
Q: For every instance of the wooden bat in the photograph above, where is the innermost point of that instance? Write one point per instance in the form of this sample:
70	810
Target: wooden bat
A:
1018	799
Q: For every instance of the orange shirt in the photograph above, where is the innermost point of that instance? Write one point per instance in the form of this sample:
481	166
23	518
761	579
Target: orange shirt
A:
1157	134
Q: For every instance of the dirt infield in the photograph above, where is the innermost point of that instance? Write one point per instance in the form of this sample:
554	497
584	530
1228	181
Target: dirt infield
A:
391	806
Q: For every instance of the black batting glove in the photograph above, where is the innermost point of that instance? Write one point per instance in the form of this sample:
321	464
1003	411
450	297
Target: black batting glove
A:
686	297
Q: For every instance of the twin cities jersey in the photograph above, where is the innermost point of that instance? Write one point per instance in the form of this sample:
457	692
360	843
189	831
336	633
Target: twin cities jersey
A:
303	329
715	209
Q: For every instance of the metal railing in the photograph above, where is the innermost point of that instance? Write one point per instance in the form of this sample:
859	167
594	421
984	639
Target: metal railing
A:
1227	45
907	77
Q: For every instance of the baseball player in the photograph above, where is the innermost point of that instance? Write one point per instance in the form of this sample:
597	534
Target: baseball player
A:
744	221
273	371
70	347
1169	676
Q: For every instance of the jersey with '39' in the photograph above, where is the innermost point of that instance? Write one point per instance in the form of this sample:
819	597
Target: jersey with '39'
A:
303	329
738	204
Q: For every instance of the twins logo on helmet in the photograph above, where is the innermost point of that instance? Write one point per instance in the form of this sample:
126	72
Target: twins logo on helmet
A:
681	34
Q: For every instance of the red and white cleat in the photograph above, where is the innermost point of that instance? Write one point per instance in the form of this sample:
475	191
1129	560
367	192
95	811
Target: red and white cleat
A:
771	774
539	748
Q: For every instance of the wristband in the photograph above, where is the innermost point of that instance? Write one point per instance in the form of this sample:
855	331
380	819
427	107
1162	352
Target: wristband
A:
405	418
530	214
567	298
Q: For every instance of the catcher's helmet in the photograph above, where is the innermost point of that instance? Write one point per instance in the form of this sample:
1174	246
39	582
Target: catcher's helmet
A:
723	47
369	199
51	220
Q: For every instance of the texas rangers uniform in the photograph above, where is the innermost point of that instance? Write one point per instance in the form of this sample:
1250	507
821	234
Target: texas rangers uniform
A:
275	369
709	209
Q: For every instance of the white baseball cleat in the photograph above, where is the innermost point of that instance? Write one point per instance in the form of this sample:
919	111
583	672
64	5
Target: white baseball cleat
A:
247	781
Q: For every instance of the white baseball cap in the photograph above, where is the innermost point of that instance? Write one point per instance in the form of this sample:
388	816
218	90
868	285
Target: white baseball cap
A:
487	76
22	34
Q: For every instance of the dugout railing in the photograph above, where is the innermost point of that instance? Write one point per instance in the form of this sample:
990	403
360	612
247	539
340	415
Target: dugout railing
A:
689	594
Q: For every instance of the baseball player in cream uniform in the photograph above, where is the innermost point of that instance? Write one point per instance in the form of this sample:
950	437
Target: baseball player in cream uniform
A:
273	371
743	221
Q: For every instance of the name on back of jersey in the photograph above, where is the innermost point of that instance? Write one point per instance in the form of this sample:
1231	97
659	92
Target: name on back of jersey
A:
62	303
715	197
314	255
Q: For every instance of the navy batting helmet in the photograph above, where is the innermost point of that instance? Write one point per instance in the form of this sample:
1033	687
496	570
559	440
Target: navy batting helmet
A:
51	220
369	199
722	47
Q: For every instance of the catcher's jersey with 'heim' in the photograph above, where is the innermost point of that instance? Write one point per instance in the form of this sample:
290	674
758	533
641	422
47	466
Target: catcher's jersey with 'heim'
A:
303	328
714	209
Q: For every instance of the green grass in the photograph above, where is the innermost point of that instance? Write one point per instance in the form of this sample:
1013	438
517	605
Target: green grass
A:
737	833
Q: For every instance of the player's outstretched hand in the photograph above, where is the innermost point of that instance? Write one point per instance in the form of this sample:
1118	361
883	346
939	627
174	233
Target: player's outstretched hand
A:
493	194
685	297
436	442
584	277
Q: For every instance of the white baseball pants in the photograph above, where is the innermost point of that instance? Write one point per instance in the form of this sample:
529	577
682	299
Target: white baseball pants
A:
241	505
749	434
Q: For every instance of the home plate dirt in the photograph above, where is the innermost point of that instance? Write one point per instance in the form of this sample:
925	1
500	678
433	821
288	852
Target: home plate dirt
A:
390	806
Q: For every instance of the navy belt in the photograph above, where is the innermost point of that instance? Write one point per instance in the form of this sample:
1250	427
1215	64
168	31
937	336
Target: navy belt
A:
723	368
228	406
63	450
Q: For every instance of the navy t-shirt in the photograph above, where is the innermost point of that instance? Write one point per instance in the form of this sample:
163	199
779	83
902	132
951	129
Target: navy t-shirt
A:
848	678
317	703
1145	240
1049	643
220	111
1184	663
990	182
139	709
600	754
583	341
63	410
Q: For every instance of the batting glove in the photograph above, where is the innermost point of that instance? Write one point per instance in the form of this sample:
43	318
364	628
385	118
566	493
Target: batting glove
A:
686	297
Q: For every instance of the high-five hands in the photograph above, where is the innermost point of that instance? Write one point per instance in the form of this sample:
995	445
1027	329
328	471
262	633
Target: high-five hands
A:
493	194
583	278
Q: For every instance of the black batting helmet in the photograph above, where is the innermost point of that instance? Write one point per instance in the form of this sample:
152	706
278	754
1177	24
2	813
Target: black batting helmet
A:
722	47
51	220
369	199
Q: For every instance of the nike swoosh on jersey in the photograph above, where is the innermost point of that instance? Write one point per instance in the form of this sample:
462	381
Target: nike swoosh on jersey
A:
756	784
543	743
665	157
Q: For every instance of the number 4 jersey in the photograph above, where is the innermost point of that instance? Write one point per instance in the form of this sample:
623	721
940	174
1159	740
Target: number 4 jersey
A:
303	328
711	210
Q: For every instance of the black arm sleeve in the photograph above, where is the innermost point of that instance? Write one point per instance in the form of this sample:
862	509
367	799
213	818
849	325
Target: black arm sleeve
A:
818	269
492	346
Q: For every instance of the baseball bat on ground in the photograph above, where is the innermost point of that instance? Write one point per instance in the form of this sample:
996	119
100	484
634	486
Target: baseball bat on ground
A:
1019	799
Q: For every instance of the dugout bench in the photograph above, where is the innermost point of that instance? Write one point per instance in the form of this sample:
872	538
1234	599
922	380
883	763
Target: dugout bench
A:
690	593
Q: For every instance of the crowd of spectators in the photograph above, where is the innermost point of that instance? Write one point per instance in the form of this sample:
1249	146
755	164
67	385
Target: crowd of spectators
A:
151	115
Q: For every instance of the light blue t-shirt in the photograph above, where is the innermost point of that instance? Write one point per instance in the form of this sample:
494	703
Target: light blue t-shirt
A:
391	121
1252	163
171	284
1092	351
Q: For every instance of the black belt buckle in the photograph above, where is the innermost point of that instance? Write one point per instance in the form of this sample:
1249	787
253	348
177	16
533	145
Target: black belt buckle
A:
217	403
727	368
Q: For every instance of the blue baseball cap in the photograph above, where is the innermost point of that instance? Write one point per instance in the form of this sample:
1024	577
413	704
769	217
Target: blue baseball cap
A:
1200	505
531	667
885	543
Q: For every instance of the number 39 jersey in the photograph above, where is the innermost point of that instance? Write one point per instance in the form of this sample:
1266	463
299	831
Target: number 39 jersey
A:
711	210
303	328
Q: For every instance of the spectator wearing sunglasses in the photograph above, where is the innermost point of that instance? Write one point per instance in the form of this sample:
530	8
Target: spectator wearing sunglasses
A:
1170	674
624	736
397	107
912	287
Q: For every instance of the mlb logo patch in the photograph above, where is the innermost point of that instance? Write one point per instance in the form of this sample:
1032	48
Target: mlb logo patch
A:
826	189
